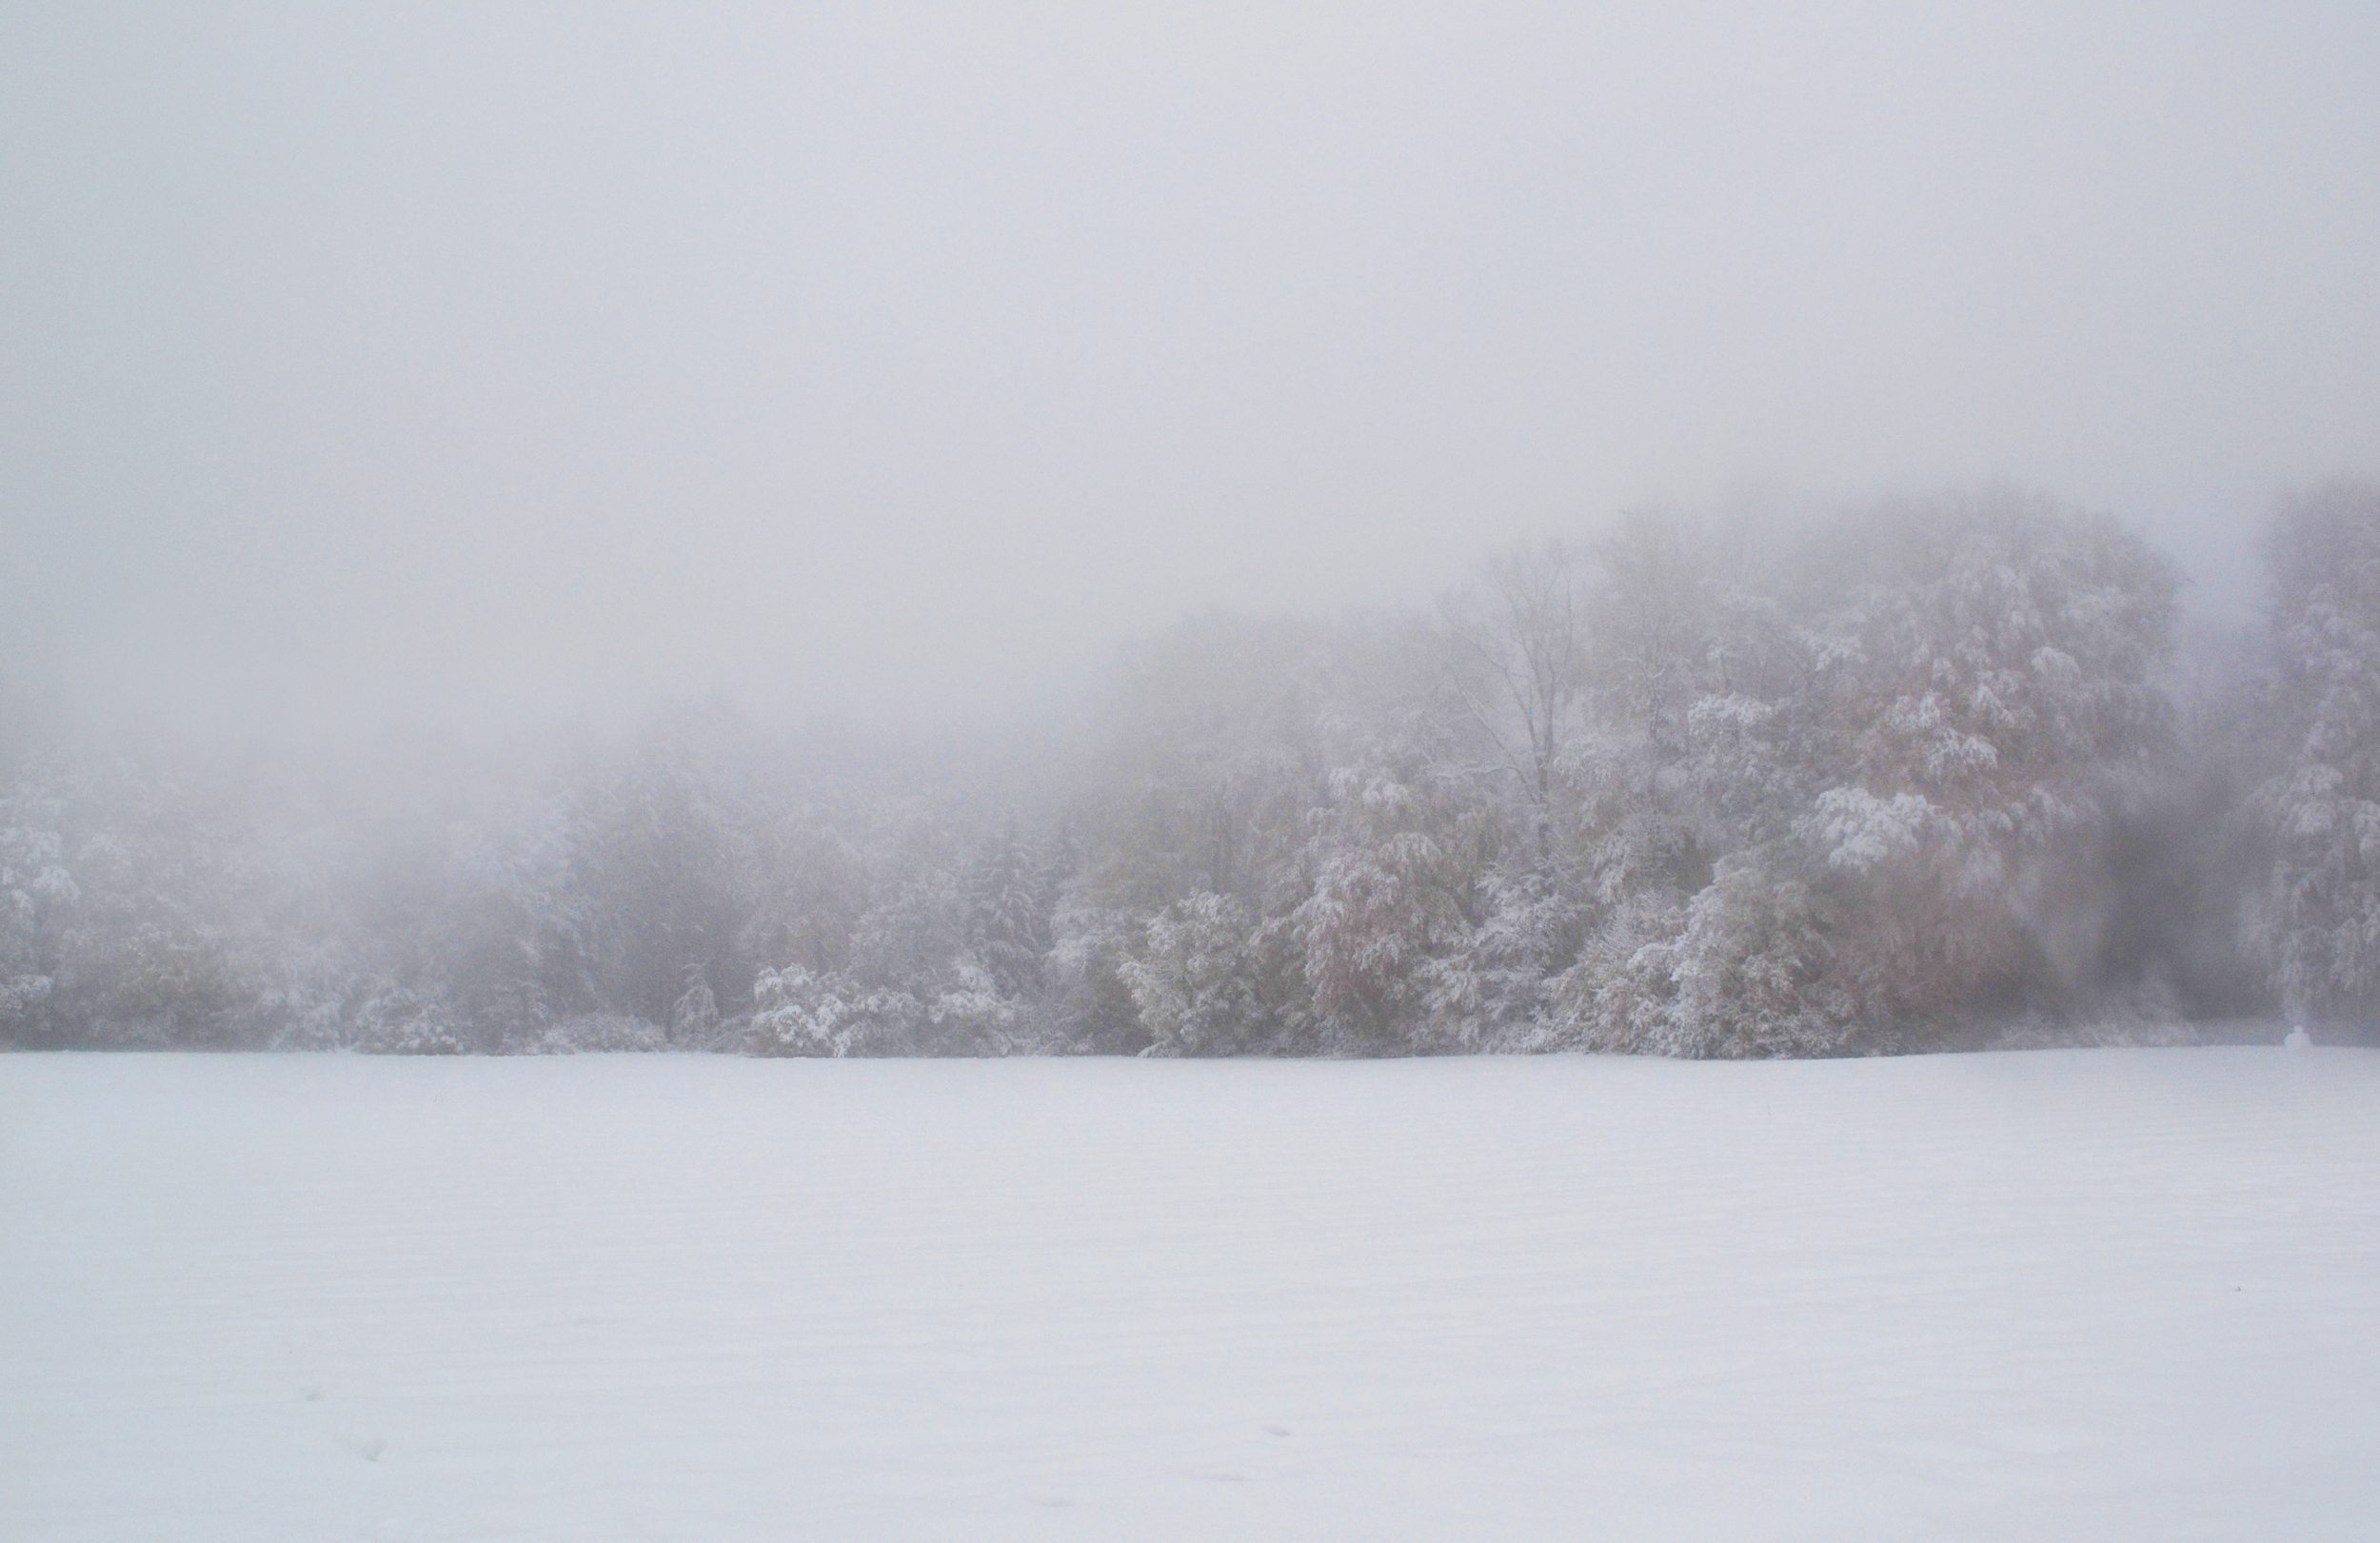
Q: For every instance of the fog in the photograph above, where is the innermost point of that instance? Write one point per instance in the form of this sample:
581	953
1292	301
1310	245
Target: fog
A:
452	367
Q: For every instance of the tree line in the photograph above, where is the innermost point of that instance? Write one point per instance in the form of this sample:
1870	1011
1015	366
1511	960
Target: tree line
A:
1938	773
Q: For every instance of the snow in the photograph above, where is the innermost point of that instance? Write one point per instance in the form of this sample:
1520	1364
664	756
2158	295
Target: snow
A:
2058	1295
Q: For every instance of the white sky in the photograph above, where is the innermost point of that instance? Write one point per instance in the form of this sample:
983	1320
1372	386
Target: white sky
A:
449	362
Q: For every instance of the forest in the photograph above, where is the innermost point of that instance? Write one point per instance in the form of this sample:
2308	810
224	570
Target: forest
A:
1939	773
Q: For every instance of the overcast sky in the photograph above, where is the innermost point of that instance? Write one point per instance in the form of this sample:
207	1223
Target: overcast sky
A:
448	360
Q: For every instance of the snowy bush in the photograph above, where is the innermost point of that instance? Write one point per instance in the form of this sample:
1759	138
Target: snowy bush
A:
600	1034
797	1013
970	1017
402	1022
310	1022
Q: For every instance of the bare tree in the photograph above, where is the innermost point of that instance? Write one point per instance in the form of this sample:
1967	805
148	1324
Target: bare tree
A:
1525	628
1653	649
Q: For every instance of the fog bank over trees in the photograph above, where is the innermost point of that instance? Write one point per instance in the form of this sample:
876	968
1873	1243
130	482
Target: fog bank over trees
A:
452	365
1938	772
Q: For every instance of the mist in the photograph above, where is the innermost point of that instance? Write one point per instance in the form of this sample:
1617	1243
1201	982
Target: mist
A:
452	369
911	771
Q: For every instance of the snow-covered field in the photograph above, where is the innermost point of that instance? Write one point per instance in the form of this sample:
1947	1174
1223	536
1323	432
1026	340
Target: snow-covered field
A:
2120	1295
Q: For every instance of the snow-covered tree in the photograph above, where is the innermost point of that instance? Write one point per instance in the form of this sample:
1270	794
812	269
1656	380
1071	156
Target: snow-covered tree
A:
1496	987
1751	972
2315	920
1393	859
1008	905
36	895
1680	787
796	1012
694	1018
669	863
1194	979
1986	682
1088	1004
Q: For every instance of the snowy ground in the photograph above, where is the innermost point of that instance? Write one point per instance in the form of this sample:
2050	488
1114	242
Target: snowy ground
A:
2117	1294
